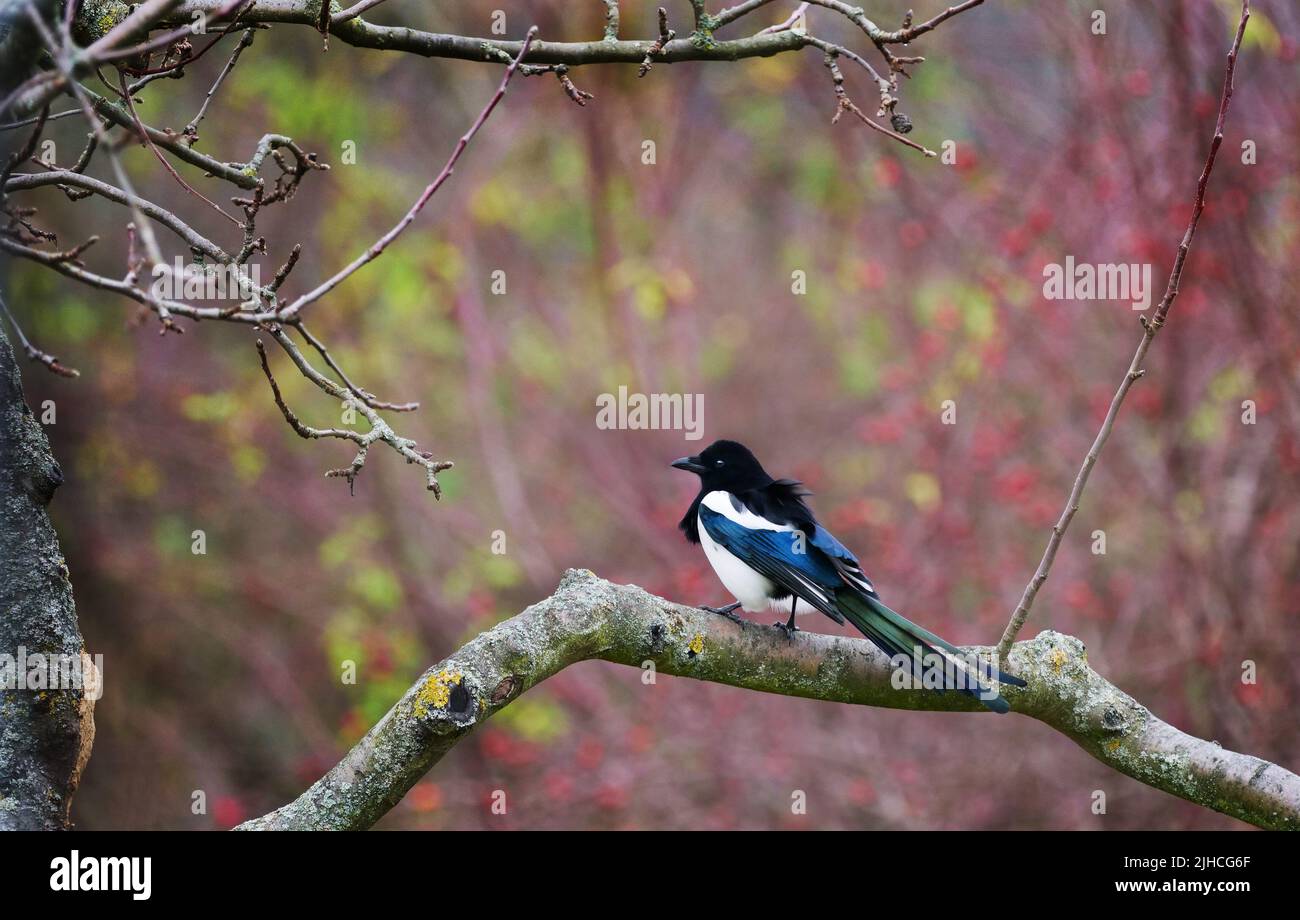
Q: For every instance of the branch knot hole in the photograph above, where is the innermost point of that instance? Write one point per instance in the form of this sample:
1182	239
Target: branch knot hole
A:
445	696
657	635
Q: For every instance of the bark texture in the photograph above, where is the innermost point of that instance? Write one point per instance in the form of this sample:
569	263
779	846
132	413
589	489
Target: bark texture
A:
45	735
590	618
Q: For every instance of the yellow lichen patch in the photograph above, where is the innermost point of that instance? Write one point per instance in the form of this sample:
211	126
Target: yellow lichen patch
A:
697	644
1113	745
436	691
1058	659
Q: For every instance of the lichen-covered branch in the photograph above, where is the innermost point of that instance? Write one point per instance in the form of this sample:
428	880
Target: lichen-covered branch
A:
589	618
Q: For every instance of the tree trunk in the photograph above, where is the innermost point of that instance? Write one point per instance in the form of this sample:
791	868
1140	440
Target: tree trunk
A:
45	734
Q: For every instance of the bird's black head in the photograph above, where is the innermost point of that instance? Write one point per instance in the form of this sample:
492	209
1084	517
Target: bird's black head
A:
726	465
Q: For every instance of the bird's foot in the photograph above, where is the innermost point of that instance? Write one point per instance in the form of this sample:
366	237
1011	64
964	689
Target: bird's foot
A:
725	612
788	628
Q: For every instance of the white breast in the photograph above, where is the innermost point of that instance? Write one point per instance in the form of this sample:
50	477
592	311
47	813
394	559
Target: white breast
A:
746	585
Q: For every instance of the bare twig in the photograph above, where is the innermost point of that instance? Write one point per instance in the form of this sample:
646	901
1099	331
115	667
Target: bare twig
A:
60	54
377	248
24	153
147	141
665	36
731	14
857	16
788	23
353	11
844	104
192	129
368	398
295	423
577	95
1135	371
35	118
104	52
34	353
380	431
142	206
909	31
323	27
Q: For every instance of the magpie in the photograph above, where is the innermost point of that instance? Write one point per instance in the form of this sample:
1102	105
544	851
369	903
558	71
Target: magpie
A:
769	551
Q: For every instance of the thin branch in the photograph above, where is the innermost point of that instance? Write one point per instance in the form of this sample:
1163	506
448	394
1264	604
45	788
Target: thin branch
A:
657	47
909	32
35	118
788	23
34	353
140	20
368	398
611	20
60	55
1135	371
192	129
700	16
103	52
244	175
857	16
577	95
162	306
145	139
844	104
24	153
380	431
305	431
377	248
193	239
731	14
588	618
353	12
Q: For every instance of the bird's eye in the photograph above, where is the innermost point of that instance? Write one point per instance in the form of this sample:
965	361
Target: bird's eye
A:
717	463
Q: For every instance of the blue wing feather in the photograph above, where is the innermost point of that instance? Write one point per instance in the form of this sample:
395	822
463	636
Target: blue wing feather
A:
825	541
787	558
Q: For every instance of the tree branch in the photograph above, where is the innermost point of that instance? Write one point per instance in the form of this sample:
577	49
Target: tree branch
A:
362	34
588	618
376	249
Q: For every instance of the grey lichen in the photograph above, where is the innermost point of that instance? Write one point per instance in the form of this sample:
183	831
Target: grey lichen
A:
702	38
96	18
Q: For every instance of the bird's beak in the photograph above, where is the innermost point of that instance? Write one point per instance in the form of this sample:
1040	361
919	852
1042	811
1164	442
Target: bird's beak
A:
690	464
